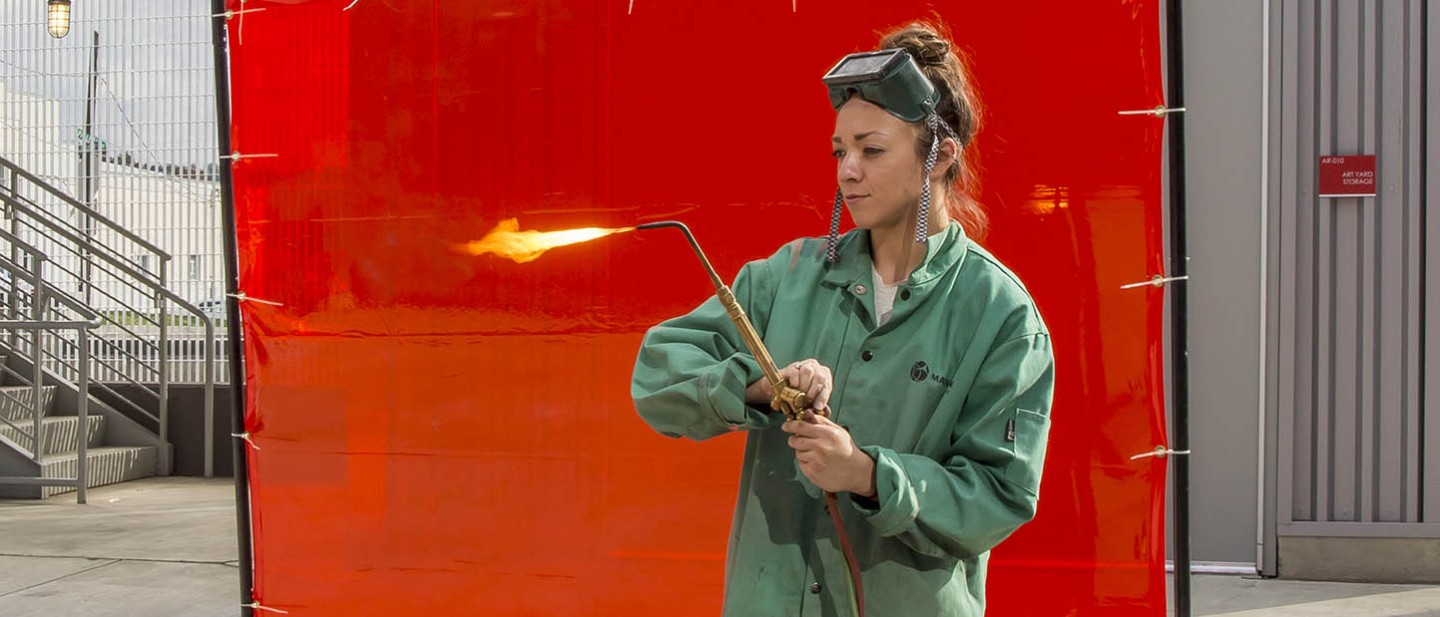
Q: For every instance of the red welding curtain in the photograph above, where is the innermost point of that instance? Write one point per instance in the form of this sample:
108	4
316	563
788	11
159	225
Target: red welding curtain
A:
449	435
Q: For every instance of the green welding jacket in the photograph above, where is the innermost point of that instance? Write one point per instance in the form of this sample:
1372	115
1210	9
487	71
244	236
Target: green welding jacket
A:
951	397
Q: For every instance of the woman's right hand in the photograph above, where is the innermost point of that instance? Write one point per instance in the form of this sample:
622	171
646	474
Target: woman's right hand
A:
809	376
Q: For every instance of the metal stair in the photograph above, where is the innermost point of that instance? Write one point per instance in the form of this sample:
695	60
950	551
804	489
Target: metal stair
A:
116	448
60	433
60	444
83	305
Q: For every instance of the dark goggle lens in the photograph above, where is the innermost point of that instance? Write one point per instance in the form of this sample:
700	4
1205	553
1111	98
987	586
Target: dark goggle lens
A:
888	78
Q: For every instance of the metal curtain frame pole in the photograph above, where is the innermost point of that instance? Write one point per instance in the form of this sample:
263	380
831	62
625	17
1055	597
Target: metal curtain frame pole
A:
219	38
1179	318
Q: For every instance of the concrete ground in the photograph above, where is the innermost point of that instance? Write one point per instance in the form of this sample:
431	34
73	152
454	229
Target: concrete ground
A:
1215	595
165	547
159	547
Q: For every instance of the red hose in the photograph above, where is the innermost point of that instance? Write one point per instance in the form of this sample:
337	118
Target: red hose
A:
832	504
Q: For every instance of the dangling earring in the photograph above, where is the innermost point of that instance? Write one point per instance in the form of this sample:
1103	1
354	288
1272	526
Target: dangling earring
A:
922	222
834	227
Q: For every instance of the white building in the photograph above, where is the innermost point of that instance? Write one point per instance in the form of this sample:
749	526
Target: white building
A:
174	207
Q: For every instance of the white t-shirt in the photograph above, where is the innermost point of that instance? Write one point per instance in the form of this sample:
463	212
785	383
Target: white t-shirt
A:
884	296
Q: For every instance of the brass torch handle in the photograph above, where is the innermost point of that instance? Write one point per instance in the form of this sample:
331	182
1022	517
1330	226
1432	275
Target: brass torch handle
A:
786	399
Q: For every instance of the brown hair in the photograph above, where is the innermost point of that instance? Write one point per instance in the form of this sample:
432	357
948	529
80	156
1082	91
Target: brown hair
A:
948	69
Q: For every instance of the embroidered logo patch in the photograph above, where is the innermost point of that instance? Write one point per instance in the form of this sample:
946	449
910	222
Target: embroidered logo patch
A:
919	371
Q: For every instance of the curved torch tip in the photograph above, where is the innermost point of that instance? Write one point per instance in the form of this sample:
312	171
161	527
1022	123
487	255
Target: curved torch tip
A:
714	278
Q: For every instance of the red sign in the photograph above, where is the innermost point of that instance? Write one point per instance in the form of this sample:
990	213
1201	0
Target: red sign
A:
1347	176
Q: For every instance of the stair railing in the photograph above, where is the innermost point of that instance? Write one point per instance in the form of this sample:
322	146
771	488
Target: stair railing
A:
118	276
81	480
27	293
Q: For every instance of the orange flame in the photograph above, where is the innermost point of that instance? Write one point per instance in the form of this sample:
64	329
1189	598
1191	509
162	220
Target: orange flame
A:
506	240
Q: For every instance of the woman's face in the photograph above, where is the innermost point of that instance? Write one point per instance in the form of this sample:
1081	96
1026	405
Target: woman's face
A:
876	164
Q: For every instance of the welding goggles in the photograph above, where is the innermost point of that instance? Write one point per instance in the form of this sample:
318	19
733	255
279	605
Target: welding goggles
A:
888	78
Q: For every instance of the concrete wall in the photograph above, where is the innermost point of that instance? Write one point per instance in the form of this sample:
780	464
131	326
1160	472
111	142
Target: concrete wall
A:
1223	162
1361	560
187	427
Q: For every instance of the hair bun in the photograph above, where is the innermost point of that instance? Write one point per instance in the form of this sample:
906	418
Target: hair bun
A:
925	44
933	52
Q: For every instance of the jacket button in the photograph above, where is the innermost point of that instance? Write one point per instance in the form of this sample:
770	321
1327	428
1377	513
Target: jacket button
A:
815	587
904	294
860	290
866	355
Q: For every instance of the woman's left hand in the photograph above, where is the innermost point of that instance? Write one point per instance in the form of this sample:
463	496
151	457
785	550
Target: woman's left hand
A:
829	457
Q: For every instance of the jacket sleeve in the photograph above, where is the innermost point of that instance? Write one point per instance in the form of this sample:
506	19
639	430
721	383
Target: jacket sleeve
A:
987	484
691	373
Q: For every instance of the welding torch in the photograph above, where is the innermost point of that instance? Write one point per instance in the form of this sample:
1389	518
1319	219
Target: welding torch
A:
786	399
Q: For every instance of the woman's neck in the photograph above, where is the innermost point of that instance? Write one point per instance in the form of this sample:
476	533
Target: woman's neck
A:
894	250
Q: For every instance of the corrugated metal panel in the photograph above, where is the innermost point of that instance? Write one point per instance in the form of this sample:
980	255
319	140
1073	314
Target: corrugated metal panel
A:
1348	342
1430	470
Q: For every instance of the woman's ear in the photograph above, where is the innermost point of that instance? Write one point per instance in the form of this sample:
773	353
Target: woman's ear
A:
948	154
951	151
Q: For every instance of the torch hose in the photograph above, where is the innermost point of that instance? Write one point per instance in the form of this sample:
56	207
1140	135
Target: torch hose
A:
852	567
787	399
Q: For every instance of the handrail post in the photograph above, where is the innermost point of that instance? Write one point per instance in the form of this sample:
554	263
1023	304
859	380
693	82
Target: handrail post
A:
209	397
36	408
37	359
14	304
14	299
83	443
164	358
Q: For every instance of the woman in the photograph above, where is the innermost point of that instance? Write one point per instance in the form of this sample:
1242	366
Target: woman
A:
929	357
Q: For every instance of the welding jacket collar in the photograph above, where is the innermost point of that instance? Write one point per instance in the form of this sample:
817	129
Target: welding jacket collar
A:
853	263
